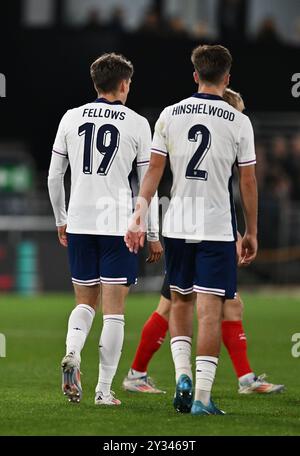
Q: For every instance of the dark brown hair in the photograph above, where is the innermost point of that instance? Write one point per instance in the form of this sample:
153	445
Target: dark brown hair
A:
109	70
211	62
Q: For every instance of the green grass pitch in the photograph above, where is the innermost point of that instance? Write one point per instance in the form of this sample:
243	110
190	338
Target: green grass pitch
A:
31	402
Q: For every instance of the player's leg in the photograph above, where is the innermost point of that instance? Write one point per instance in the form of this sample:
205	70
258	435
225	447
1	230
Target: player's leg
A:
215	279
181	333
118	270
152	337
235	340
81	318
111	340
82	253
180	272
209	313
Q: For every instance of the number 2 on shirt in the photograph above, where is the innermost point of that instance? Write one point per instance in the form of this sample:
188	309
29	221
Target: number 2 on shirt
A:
192	170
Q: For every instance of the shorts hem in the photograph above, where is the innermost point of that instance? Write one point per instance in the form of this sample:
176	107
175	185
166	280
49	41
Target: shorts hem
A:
197	239
183	291
87	283
114	280
104	280
214	291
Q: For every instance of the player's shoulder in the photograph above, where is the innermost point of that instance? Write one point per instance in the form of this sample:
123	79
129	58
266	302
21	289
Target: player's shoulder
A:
136	116
243	119
238	114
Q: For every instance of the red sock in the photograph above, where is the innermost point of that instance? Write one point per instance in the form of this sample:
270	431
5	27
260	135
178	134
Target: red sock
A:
235	341
153	334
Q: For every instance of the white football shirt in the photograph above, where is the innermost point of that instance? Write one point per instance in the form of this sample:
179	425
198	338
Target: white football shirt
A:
204	138
101	141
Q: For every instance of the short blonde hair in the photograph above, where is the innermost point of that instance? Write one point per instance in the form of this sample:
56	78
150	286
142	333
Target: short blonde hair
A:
234	99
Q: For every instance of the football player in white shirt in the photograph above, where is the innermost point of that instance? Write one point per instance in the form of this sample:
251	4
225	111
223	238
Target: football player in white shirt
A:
101	141
233	333
204	138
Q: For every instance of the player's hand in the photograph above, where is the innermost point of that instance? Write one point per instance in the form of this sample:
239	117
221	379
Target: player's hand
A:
134	240
62	235
249	249
135	236
155	251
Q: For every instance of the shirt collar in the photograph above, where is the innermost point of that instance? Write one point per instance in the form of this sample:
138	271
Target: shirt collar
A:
104	100
207	96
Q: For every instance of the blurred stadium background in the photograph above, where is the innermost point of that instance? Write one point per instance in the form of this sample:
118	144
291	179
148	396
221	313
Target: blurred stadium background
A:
47	47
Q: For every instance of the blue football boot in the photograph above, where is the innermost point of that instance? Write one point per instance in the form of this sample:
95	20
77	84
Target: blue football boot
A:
200	409
183	398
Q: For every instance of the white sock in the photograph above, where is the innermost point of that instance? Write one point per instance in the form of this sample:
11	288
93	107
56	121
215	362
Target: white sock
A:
133	374
246	379
206	367
181	348
79	325
110	349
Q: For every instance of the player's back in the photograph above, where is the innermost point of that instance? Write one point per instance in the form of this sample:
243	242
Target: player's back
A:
101	139
202	136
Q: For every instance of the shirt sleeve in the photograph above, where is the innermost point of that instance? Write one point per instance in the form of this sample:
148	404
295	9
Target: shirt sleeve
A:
60	144
143	159
144	144
246	148
58	166
159	143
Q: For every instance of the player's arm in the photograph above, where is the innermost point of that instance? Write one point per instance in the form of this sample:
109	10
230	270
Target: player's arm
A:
248	190
58	166
154	245
152	219
143	159
135	235
239	248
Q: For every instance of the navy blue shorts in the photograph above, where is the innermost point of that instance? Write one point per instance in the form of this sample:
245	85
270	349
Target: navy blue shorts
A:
203	267
165	289
96	259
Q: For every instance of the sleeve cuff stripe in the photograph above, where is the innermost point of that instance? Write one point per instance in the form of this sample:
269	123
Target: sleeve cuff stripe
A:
143	163
249	162
158	151
60	153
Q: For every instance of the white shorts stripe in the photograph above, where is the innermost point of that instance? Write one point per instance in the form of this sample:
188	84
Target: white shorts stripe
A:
87	283
183	291
114	283
115	279
209	292
214	291
219	290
